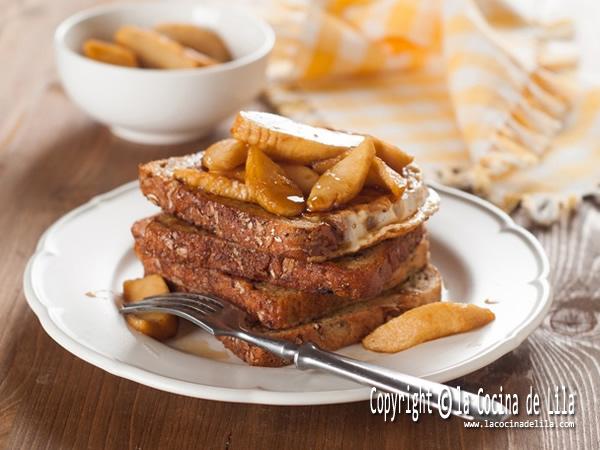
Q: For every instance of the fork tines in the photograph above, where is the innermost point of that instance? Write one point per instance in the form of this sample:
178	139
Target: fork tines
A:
196	301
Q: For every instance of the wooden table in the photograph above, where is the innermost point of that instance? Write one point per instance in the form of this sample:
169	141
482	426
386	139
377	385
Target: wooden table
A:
53	158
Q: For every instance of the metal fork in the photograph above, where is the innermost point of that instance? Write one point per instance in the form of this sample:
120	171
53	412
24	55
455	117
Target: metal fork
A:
221	318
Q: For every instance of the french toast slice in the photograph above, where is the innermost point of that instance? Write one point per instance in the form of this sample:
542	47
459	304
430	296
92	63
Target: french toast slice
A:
272	306
370	218
349	325
357	276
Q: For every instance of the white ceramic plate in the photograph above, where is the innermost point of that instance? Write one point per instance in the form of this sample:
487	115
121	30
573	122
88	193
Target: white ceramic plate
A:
483	256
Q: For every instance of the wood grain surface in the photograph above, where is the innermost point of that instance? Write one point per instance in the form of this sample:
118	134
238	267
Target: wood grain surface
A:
53	158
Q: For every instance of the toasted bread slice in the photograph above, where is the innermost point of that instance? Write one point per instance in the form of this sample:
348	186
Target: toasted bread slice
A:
272	306
349	325
370	218
358	276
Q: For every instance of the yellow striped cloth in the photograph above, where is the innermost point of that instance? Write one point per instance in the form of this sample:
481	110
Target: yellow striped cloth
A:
471	88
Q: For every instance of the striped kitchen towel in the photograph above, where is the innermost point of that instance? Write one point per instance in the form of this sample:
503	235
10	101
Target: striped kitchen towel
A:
477	92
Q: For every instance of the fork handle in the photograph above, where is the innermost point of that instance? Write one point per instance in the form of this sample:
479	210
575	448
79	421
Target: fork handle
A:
284	349
444	398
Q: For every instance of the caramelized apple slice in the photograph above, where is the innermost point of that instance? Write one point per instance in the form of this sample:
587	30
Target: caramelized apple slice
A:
343	181
157	325
270	187
380	175
200	39
392	155
286	140
157	51
383	176
373	177
239	173
323	165
425	323
214	184
109	53
304	177
225	155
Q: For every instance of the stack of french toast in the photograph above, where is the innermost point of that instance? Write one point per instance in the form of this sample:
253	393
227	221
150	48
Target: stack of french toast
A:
319	235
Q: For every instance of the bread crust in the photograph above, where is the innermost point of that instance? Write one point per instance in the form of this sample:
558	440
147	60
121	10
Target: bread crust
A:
312	236
348	326
361	275
244	223
271	306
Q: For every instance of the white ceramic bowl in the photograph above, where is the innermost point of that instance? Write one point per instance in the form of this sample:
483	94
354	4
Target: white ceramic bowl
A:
163	106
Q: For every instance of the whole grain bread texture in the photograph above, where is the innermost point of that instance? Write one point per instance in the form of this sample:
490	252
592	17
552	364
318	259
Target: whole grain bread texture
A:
272	306
348	326
357	276
314	236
